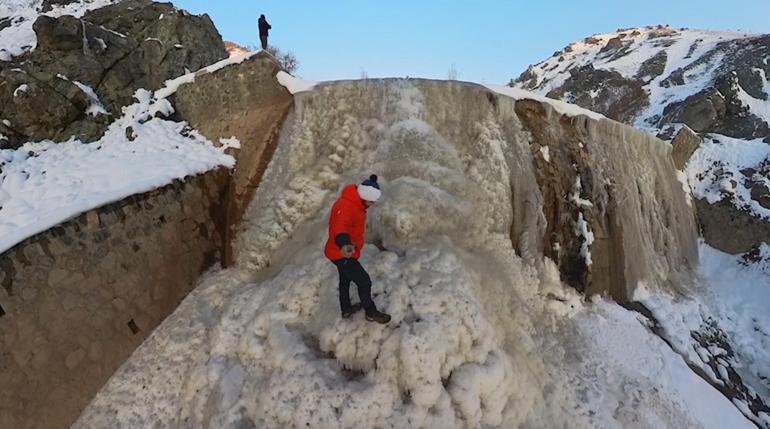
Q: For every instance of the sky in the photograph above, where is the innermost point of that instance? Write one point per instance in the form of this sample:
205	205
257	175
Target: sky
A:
482	40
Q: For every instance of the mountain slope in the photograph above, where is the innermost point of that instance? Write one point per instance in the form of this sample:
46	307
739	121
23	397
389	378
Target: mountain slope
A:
653	77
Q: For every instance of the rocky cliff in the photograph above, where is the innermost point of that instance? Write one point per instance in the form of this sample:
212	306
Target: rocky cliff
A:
662	79
83	70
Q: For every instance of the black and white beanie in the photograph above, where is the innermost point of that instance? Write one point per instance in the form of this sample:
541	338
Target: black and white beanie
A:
369	189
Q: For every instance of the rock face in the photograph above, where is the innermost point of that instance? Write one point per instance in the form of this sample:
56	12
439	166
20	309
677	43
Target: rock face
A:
718	110
737	221
78	299
683	146
702	112
660	78
606	92
113	50
731	230
245	102
587	177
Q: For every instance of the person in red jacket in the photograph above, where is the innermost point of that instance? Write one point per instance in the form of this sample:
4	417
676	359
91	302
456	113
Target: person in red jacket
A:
347	222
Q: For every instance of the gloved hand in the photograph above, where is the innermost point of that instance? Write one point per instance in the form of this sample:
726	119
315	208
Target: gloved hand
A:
348	250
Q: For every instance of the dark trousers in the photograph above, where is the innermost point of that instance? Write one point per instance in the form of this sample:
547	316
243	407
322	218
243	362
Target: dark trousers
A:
263	39
351	270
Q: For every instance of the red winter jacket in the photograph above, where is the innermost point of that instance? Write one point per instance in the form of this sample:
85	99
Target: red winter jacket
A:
347	222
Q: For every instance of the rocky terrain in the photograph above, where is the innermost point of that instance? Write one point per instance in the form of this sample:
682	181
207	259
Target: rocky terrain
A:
84	70
540	261
671	81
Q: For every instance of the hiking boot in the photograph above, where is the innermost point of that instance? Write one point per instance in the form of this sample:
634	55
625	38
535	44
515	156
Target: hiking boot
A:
351	311
378	316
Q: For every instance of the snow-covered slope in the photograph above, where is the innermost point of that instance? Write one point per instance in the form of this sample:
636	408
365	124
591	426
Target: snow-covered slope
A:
480	337
17	17
668	64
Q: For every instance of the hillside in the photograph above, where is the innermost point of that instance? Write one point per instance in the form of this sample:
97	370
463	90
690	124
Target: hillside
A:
653	77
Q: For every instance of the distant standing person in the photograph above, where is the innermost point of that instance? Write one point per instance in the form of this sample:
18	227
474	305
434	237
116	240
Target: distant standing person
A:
264	28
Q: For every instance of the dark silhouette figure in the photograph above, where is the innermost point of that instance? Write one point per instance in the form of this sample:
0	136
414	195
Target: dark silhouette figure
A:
264	28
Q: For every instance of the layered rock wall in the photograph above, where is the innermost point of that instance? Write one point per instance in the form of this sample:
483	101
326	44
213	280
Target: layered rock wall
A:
77	300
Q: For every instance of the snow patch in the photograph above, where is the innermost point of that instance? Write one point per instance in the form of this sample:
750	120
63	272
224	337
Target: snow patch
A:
546	154
583	230
231	142
43	184
21	89
293	84
96	107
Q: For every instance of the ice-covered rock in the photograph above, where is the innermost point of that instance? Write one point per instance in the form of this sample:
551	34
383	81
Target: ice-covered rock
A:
486	330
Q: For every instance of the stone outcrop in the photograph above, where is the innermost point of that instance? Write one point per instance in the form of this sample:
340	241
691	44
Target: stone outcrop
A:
114	50
718	110
603	91
246	102
683	146
652	67
78	299
589	174
702	112
729	229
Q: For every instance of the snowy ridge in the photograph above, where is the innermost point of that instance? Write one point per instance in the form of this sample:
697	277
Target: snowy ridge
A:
685	49
19	37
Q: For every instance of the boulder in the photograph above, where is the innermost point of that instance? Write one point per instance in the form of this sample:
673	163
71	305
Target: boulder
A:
703	112
760	193
653	67
58	34
683	146
739	120
730	229
38	106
